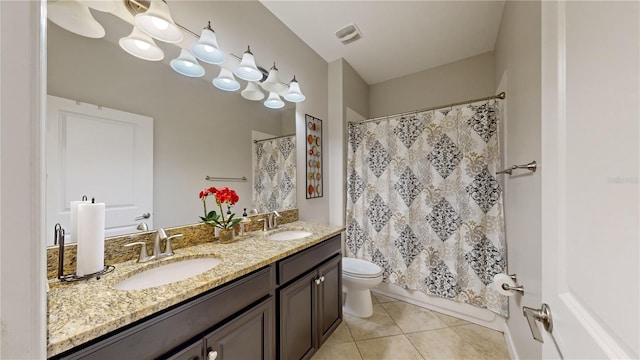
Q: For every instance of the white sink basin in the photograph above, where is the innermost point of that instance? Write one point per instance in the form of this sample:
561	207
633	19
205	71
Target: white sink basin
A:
166	274
289	235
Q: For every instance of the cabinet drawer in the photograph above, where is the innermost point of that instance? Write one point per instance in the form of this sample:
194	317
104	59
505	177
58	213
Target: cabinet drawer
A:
297	264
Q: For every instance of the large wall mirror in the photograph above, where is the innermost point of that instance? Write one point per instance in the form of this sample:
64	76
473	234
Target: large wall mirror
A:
197	130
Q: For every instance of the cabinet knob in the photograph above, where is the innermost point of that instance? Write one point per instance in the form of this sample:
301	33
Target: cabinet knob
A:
322	278
317	281
213	355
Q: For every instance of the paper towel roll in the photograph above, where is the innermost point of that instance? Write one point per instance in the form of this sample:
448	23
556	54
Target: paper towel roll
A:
90	257
500	279
73	220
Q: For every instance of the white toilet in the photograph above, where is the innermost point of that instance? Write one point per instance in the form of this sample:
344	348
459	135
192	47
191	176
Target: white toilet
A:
358	276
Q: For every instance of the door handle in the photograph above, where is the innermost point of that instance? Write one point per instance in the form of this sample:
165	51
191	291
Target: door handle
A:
143	216
543	315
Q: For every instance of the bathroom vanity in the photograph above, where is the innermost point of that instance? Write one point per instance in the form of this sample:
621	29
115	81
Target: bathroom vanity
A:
268	299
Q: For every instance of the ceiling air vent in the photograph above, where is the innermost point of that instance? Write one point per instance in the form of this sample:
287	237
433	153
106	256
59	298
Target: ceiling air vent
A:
348	34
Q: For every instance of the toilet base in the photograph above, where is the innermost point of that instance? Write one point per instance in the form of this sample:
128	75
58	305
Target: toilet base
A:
358	303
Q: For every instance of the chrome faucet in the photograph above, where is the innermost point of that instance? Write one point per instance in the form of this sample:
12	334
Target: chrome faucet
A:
271	221
157	253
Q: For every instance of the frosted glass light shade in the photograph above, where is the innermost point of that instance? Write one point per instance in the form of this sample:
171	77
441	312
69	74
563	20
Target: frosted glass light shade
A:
187	65
207	48
294	94
252	92
157	23
141	46
225	81
272	83
274	101
247	70
75	17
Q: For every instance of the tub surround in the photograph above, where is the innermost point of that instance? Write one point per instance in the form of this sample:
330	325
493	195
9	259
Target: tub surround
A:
116	252
81	311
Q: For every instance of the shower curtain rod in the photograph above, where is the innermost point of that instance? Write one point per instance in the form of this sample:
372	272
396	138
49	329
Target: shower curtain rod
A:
273	138
500	96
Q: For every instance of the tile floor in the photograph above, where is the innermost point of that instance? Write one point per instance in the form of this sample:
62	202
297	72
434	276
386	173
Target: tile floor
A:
401	331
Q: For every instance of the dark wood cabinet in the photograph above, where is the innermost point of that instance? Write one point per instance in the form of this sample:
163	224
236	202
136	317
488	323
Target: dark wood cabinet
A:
285	310
310	307
250	336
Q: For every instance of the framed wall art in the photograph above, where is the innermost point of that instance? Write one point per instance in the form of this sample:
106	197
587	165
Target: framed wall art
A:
314	161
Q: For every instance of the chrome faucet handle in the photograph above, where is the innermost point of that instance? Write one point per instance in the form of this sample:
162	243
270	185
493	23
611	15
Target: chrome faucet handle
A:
168	251
143	257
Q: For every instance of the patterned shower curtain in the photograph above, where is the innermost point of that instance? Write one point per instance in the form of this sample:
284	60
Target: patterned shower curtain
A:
423	202
275	174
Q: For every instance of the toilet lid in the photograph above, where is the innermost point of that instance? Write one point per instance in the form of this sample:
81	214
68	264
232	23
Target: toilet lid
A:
360	268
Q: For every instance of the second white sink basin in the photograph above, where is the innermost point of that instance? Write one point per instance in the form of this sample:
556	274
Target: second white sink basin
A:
289	235
166	274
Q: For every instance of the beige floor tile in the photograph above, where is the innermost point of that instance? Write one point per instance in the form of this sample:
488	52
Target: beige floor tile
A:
387	348
378	325
450	320
382	299
344	351
342	334
443	344
412	318
490	342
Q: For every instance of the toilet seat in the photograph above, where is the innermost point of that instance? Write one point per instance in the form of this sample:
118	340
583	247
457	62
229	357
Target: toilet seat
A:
360	268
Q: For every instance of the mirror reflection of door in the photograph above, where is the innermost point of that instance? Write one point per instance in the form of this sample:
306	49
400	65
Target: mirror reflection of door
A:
102	153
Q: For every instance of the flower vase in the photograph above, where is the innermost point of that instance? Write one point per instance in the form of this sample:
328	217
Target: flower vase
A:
226	236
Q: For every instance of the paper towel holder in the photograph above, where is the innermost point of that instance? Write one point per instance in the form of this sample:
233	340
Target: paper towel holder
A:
58	239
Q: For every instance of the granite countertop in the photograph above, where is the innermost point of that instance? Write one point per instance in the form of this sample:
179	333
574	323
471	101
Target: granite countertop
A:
81	311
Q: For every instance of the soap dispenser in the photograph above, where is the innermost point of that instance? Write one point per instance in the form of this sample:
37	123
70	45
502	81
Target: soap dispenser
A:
245	224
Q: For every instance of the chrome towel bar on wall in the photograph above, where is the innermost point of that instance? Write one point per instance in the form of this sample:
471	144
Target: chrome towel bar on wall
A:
532	166
212	178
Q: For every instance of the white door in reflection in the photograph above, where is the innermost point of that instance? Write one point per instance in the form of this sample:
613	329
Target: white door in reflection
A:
104	154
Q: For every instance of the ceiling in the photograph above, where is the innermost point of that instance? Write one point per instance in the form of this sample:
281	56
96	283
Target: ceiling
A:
398	37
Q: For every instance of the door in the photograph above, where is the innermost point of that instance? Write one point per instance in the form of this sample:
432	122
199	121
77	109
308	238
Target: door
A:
329	298
250	336
298	336
101	153
590	142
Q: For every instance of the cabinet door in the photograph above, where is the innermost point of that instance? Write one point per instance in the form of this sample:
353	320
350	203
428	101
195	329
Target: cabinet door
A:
329	297
298	334
248	337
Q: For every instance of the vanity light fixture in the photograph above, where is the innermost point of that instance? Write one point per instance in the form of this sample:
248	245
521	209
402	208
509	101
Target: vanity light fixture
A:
74	17
157	23
226	81
187	65
252	92
207	49
273	83
294	94
247	70
141	46
274	101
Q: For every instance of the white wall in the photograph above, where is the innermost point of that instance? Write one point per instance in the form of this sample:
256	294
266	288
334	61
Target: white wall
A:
348	92
466	79
517	56
22	296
